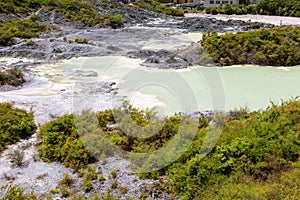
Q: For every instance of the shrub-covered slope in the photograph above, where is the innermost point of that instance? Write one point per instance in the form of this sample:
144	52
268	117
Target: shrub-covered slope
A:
20	18
276	47
263	7
256	156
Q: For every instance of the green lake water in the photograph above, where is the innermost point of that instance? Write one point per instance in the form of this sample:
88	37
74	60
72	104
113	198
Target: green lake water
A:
193	89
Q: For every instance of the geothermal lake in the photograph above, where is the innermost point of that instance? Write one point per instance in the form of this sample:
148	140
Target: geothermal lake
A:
196	88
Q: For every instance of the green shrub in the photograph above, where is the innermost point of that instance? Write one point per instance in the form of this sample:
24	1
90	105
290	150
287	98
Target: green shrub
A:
66	181
64	185
16	157
113	174
220	9
114	184
61	142
30	43
81	40
65	191
54	191
123	189
9	192
88	176
115	21
200	8
15	124
101	178
208	10
13	77
256	156
174	11
228	9
279	7
238	11
214	11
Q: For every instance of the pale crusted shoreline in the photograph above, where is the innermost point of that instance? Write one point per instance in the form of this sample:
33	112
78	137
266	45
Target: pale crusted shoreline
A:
275	20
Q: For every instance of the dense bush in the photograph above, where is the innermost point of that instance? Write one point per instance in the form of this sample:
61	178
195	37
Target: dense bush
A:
73	140
13	77
133	132
256	157
258	149
15	124
276	47
263	7
19	28
279	7
19	7
61	142
154	5
214	11
115	21
208	10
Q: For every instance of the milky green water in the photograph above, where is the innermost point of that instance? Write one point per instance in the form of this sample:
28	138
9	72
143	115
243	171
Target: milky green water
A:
192	89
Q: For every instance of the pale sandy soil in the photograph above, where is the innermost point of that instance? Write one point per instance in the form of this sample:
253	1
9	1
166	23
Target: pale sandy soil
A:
276	20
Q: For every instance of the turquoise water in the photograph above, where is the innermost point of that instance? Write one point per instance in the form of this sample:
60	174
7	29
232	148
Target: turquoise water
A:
193	89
